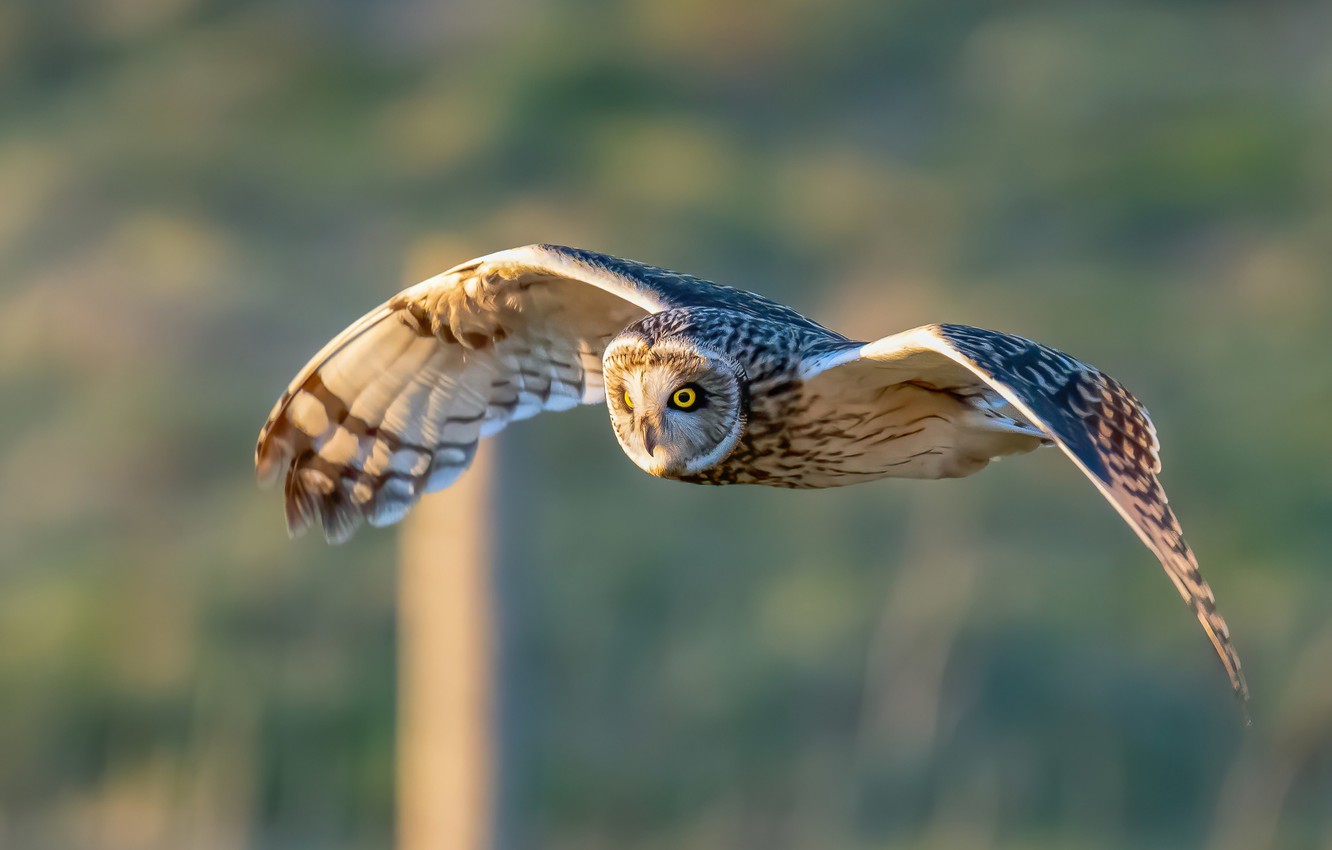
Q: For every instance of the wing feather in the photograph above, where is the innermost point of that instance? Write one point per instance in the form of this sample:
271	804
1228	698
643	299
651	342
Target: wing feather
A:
394	405
1088	414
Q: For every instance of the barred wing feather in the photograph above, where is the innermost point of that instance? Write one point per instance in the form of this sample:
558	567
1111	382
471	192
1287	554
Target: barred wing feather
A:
1097	423
394	406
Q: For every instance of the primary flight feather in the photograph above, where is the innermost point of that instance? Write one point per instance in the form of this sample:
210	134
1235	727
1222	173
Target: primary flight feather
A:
704	383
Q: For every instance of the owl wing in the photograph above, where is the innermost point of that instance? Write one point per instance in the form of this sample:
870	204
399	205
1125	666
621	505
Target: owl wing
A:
394	406
1097	423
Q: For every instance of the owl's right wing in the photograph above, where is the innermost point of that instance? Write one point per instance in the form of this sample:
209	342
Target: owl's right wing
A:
1088	414
394	406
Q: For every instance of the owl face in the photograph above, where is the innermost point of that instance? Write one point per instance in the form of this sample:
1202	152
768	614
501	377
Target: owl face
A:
676	409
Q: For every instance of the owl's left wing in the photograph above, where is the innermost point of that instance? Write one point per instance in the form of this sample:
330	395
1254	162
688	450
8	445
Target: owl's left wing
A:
393	407
1089	415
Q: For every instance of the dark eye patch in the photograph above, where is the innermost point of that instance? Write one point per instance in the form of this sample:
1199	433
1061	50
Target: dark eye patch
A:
689	397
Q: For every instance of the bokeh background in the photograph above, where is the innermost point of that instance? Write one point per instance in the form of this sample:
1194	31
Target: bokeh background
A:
196	194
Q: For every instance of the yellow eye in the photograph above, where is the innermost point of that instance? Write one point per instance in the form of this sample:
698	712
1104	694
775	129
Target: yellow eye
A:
628	401
685	398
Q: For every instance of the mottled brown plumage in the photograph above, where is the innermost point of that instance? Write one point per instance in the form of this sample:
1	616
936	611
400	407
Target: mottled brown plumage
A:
705	384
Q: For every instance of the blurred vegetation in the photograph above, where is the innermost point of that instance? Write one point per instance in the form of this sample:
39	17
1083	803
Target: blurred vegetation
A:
196	194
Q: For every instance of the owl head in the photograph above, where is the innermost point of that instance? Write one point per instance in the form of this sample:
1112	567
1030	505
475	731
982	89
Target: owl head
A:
677	407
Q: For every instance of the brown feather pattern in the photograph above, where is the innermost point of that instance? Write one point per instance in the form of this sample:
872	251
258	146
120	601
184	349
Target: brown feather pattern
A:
394	407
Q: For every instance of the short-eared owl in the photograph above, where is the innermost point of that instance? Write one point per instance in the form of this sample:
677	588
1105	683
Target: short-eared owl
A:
704	383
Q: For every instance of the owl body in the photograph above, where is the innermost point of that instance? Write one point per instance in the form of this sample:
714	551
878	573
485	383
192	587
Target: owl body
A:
794	435
705	384
904	431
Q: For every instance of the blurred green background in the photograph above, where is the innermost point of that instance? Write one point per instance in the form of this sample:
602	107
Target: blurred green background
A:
196	194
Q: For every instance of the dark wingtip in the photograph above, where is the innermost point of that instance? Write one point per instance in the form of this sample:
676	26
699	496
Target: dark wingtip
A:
1242	694
313	496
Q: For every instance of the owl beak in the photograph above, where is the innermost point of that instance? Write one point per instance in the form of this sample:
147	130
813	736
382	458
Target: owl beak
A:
650	437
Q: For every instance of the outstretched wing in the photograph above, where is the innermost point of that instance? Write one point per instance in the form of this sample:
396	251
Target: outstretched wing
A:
393	407
1097	423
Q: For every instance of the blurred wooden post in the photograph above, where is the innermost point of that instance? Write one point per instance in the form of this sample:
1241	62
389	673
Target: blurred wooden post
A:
447	647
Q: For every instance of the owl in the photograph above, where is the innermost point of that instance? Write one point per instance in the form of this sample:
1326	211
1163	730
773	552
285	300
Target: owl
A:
705	384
